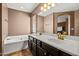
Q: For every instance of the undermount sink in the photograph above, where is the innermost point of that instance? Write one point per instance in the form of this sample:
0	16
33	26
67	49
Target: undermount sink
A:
58	41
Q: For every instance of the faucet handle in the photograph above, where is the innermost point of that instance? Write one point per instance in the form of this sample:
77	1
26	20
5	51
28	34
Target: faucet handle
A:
59	35
64	33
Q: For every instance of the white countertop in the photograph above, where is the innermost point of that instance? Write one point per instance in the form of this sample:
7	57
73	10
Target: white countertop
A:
68	45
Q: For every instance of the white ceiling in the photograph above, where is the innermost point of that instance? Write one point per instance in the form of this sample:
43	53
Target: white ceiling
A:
61	7
27	7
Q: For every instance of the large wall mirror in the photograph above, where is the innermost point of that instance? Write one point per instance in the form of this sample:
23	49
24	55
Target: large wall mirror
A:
63	24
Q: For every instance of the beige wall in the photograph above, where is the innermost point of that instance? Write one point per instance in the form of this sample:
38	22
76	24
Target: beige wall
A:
40	24
19	23
76	17
4	21
37	24
48	24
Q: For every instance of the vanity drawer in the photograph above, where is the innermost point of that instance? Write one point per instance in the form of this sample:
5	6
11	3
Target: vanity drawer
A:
61	53
41	52
33	49
34	40
30	44
39	43
51	50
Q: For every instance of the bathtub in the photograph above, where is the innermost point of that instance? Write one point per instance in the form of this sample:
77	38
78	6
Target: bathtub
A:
15	43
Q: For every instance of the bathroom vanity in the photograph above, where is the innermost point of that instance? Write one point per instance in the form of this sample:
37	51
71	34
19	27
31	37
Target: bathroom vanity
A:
46	45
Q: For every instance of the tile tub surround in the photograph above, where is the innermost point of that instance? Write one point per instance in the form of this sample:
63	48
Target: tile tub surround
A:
67	45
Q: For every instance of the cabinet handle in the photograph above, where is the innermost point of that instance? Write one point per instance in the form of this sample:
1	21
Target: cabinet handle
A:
44	53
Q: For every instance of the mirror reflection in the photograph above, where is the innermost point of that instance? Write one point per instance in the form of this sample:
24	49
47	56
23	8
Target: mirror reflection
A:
63	24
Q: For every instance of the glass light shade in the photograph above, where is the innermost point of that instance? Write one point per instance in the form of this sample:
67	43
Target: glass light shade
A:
42	8
45	9
45	5
52	5
48	7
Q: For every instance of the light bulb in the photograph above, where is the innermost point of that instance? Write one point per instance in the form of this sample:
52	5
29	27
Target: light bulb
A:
42	8
52	4
45	5
45	9
48	7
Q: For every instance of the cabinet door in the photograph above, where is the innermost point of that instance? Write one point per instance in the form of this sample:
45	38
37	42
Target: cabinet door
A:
41	52
50	50
29	43
61	53
39	43
33	49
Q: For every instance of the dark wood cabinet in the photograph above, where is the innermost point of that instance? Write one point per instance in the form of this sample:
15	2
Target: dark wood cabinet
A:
39	48
30	43
39	43
61	53
51	50
41	51
34	49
